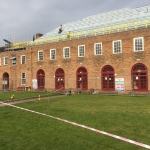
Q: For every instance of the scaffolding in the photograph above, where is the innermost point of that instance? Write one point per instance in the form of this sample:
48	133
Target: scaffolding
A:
105	23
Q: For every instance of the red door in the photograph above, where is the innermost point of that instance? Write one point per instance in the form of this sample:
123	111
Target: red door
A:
59	79
5	81
41	79
108	80
139	78
81	78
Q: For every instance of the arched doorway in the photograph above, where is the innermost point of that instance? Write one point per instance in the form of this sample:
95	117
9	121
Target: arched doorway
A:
81	78
139	77
5	81
59	79
41	79
108	79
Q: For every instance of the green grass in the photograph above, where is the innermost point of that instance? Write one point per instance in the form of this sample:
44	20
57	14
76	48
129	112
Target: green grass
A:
25	94
121	115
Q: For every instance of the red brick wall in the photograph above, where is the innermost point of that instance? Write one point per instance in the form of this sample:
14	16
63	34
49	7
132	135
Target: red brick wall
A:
122	63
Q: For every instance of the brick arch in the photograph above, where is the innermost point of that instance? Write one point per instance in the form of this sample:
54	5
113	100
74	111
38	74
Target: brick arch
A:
82	78
41	79
108	78
5	80
139	77
59	79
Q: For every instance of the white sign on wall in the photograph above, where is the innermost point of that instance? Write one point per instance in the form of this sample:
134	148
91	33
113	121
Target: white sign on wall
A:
34	84
119	84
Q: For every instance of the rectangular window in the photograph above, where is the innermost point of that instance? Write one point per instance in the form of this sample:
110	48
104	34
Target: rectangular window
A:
13	60
52	54
66	52
23	59
98	48
117	48
5	60
138	44
40	55
0	62
81	50
23	78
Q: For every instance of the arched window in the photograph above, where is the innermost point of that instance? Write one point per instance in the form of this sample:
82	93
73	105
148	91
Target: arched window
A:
59	79
108	80
139	77
81	78
5	81
41	79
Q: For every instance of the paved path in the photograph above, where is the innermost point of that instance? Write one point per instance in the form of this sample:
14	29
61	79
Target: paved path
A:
28	100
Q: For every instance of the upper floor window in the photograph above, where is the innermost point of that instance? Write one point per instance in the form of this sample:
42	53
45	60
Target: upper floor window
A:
23	78
66	52
40	55
13	60
23	59
81	50
5	60
98	48
52	54
117	48
138	44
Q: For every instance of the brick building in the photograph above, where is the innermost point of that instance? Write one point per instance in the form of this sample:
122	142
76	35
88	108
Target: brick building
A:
105	52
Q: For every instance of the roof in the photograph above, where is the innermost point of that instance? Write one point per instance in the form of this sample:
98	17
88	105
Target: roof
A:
104	23
104	19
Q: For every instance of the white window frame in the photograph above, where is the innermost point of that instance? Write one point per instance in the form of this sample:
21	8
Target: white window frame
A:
98	50
120	47
23	60
13	61
141	48
23	78
66	52
5	60
80	51
52	56
0	61
40	55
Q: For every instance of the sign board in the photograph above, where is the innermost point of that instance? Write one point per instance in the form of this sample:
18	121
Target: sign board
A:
34	84
119	84
4	82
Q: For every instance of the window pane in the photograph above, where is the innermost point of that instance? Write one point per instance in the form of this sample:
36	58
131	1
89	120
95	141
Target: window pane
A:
23	79
40	55
81	51
53	54
23	59
138	44
66	53
117	46
98	49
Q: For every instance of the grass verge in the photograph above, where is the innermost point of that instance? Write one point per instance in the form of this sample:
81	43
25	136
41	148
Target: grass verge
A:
121	115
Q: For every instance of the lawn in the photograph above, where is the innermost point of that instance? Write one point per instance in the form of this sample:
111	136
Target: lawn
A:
124	116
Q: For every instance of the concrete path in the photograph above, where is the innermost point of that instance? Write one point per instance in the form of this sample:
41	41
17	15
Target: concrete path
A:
28	100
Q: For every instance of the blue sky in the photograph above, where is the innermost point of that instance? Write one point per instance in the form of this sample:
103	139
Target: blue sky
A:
21	19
